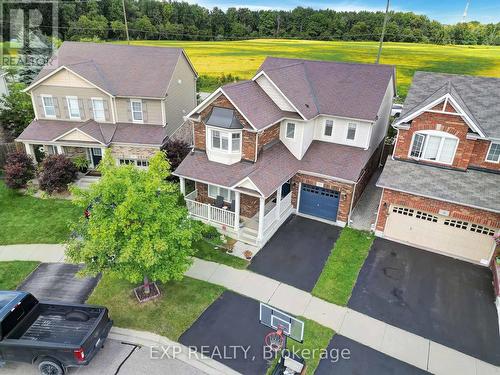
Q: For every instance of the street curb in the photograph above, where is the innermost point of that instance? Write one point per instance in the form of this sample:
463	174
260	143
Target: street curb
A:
202	363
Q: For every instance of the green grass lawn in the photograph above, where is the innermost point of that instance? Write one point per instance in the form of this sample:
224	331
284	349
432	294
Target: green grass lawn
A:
13	273
25	219
341	270
173	313
242	58
206	251
316	337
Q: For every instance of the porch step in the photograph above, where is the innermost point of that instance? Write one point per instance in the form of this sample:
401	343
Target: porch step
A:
85	181
248	235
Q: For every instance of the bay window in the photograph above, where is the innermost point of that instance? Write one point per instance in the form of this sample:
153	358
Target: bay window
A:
493	153
434	145
351	131
214	191
225	141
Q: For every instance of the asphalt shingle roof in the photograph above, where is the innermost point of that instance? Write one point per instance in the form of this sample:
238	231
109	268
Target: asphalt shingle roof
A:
121	70
478	96
471	188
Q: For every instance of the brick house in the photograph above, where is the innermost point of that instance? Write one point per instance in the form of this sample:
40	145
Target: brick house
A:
441	187
300	137
93	96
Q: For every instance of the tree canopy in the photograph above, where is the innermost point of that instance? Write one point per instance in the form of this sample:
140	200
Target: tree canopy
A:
137	224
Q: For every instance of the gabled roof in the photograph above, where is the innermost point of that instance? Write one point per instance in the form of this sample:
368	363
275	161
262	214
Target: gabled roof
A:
120	70
331	88
477	97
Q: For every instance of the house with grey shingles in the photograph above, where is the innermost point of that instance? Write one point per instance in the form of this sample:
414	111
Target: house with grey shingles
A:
300	137
441	187
93	96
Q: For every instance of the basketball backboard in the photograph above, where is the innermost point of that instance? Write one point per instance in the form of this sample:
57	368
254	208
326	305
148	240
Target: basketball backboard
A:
276	319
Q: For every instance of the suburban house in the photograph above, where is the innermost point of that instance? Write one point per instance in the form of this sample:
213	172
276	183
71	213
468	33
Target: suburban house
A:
441	187
93	96
300	137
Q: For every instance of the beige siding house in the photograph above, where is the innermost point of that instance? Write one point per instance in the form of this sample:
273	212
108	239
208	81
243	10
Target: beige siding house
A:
90	97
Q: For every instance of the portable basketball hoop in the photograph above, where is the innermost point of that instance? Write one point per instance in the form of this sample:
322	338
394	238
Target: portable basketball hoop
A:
275	340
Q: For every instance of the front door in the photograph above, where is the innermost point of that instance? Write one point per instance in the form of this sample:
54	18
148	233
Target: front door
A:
96	156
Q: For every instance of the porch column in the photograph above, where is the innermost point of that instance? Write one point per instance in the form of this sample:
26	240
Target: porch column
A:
182	183
27	147
59	149
262	203
278	201
236	210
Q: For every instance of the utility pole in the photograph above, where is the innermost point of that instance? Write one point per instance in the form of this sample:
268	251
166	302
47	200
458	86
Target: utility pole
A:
465	11
386	17
125	18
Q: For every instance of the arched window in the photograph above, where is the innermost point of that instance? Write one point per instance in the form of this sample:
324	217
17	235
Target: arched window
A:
433	145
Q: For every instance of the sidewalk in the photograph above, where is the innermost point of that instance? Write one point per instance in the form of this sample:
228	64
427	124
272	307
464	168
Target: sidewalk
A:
395	342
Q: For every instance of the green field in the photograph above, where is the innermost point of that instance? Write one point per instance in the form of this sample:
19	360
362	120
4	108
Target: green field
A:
242	58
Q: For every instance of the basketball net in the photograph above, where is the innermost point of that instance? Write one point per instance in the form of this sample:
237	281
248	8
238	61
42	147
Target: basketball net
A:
275	340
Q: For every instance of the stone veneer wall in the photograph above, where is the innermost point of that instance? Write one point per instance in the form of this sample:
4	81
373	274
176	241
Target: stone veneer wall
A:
133	152
72	152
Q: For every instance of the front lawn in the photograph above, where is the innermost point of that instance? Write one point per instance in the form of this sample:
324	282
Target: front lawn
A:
13	273
179	306
316	338
207	251
341	270
25	219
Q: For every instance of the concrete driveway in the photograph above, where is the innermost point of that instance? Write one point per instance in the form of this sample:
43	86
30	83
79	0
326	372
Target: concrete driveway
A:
446	300
232	321
297	252
361	360
117	358
59	282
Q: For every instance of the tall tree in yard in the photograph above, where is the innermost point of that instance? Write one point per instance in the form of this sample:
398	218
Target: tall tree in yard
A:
136	225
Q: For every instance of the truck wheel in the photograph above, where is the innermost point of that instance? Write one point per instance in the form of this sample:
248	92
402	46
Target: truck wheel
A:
50	367
77	316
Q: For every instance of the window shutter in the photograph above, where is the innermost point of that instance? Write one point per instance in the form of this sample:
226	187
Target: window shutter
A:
66	109
39	103
81	106
129	110
91	109
56	106
106	109
144	111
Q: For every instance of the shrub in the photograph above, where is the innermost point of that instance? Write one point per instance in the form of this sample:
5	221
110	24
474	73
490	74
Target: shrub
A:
18	169
176	151
55	173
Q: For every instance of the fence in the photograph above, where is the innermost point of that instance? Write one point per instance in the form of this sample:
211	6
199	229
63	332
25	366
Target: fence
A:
5	149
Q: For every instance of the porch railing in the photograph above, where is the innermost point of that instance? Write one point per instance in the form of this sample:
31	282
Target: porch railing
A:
285	203
208	212
270	217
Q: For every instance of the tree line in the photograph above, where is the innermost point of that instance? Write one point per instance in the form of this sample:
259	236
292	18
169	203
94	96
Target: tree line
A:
152	19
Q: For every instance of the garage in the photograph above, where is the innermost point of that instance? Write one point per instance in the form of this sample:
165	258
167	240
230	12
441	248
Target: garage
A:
456	238
318	201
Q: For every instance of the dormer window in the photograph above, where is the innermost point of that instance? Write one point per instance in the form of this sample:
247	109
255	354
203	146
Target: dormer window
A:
351	131
328	128
137	115
290	130
432	145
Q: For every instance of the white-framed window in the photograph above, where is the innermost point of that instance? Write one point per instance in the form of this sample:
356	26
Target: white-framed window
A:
328	132
98	109
225	141
142	163
49	107
351	131
214	191
432	145
73	107
493	154
290	130
136	108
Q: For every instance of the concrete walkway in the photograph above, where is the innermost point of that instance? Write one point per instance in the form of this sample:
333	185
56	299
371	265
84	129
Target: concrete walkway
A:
376	334
365	213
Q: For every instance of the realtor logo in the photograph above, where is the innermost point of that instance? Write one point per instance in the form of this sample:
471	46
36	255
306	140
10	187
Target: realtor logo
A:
27	31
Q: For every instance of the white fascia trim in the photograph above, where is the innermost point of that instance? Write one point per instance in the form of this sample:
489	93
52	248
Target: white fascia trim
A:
455	105
139	97
250	180
202	181
204	103
277	88
438	199
77	129
135	144
327	177
69	70
67	144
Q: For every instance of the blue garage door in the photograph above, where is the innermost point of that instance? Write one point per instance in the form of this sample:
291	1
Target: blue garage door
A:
320	202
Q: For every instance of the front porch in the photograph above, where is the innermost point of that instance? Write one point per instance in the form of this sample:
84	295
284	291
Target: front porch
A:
92	153
239	222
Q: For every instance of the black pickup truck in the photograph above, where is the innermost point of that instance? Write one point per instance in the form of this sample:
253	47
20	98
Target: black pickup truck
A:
53	336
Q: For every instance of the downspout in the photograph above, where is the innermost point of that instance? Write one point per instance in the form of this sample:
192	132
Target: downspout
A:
352	202
256	146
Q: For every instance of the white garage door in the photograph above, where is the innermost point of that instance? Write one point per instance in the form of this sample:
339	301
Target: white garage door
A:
459	239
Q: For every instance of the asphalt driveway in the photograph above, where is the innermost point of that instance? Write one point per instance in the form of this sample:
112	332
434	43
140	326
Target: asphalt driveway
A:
446	300
59	282
232	321
361	360
297	252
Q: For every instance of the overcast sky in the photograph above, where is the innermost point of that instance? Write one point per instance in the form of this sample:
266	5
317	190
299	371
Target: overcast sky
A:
446	11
